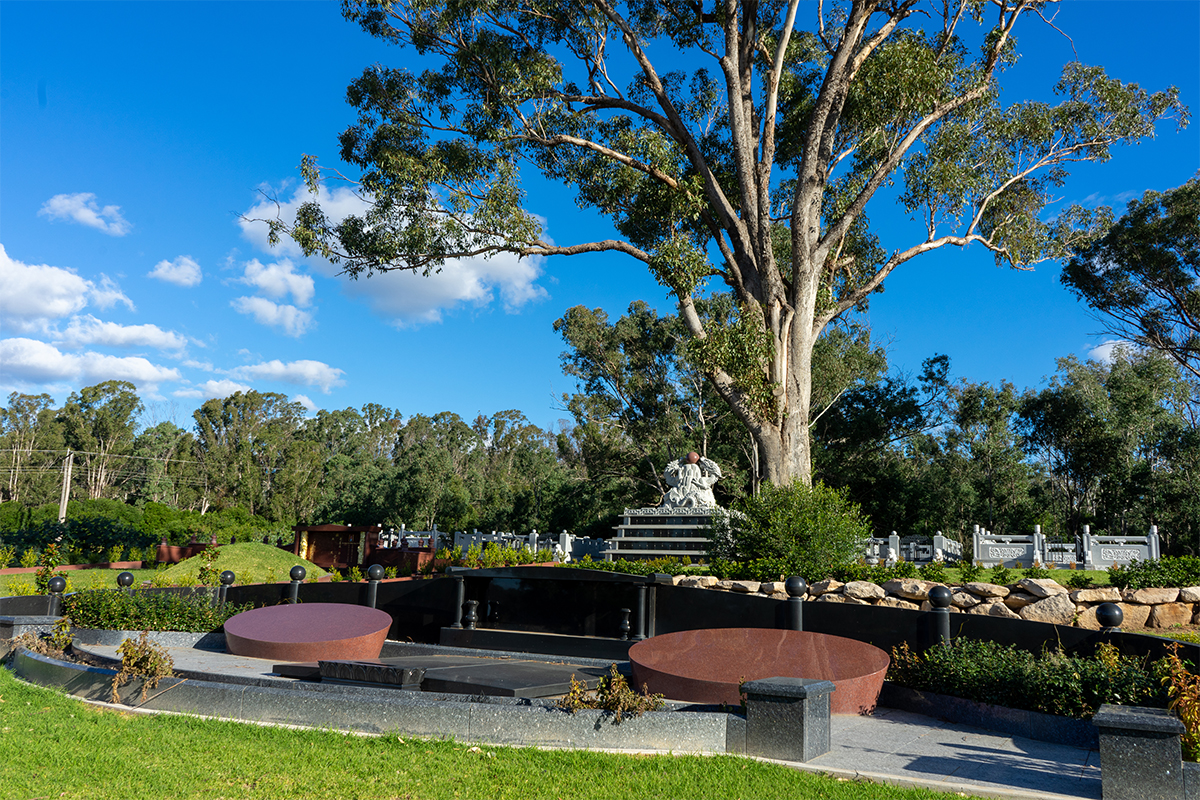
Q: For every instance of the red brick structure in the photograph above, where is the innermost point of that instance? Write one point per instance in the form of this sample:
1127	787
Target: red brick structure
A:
345	546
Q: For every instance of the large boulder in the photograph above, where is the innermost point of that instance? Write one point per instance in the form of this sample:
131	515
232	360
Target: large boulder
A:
910	588
825	587
1150	597
1189	594
986	590
1135	615
864	590
896	602
1105	594
964	599
1169	615
1017	600
1057	609
1041	587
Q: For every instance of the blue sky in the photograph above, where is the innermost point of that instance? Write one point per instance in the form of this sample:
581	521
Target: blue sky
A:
133	137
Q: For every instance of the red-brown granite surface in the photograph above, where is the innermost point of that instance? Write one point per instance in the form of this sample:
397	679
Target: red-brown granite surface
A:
706	666
308	632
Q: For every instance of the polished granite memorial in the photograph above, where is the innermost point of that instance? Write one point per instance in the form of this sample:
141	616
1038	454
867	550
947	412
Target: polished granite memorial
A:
708	666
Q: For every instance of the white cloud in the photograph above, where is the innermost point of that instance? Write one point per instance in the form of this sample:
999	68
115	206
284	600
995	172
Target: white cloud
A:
183	271
211	389
27	361
89	330
84	209
303	400
289	319
1106	352
409	298
201	365
304	372
33	294
278	280
405	297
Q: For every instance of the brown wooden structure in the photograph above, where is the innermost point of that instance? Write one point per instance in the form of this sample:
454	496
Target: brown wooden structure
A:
346	546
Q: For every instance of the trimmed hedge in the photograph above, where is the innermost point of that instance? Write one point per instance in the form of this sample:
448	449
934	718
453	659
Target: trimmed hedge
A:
1051	682
114	609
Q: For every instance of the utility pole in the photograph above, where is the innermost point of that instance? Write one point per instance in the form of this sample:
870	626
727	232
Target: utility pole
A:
66	488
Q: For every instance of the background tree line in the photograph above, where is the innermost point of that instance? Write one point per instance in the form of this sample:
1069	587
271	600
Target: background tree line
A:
1113	445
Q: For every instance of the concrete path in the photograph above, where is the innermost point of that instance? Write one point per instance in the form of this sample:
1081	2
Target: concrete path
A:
891	746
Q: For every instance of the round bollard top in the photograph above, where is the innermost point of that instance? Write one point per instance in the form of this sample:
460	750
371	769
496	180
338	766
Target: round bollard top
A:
796	586
57	584
939	597
1109	615
375	572
125	579
298	572
227	578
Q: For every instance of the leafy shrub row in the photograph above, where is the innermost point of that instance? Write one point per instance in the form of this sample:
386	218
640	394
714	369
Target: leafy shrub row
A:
114	609
1170	571
1051	682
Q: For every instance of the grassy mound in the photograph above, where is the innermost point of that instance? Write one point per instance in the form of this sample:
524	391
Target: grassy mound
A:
251	562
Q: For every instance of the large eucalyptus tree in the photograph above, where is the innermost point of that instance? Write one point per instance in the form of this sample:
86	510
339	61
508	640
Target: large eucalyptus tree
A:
724	141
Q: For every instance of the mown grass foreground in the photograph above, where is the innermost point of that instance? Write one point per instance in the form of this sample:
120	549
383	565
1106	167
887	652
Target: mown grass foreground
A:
55	746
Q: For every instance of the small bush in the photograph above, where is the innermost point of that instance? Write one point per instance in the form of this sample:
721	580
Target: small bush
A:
115	609
1051	682
934	571
1183	689
49	561
208	574
390	572
7	554
1036	572
29	558
816	529
335	576
612	694
356	575
115	553
142	658
1002	575
1170	571
970	572
1078	580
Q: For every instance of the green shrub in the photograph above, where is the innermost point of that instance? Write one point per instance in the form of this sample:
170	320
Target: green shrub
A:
29	558
816	529
1051	682
1036	572
970	572
1002	575
612	694
934	571
1170	571
906	569
390	572
1078	580
356	575
114	609
7	554
142	658
49	562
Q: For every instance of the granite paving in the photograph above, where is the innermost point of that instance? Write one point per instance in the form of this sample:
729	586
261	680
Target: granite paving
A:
890	746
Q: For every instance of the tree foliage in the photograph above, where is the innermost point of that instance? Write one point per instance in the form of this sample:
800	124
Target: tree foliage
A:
1143	274
725	143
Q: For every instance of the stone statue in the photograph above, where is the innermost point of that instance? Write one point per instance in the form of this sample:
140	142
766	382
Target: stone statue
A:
691	479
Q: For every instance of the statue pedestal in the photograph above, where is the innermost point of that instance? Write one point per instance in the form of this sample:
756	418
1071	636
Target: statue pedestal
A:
648	533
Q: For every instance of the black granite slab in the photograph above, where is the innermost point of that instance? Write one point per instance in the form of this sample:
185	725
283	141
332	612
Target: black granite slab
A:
452	674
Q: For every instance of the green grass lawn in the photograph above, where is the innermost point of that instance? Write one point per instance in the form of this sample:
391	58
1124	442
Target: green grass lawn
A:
55	746
251	562
76	579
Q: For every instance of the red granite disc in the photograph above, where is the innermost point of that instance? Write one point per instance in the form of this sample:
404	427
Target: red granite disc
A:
706	666
308	632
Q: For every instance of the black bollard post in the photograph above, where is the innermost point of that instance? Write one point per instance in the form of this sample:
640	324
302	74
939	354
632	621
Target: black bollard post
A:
624	624
227	579
460	592
471	618
125	581
639	632
939	598
57	584
374	576
796	588
297	574
1109	616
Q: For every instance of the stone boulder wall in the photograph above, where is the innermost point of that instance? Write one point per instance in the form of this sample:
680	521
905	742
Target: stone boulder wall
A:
1035	599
